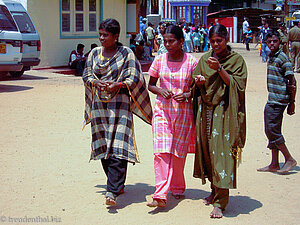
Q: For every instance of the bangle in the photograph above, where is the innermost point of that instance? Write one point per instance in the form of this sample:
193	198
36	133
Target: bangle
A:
220	68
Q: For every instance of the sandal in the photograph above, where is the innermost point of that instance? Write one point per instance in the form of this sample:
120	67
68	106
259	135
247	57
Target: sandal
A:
157	203
110	199
110	202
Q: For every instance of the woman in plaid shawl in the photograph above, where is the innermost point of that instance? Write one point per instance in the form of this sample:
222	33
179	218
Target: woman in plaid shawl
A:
114	89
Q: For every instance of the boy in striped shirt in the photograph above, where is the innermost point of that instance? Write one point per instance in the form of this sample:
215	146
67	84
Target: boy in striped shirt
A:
282	90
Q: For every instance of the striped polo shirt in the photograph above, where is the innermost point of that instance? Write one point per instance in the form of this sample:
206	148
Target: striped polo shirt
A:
279	67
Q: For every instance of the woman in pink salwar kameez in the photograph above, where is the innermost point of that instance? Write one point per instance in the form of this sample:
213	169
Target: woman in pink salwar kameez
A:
172	123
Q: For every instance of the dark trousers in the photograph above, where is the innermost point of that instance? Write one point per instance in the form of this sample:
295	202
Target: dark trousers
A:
115	170
247	43
273	115
78	66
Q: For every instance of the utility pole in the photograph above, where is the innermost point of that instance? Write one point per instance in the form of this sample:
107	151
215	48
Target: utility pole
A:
286	11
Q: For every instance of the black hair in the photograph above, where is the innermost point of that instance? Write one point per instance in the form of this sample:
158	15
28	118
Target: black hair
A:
94	45
80	46
218	29
221	31
111	26
273	32
176	30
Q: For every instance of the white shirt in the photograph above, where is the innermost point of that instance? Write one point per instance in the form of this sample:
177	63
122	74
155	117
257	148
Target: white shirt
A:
245	25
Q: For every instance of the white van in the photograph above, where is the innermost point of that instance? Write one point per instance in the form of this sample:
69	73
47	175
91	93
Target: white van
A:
11	45
30	36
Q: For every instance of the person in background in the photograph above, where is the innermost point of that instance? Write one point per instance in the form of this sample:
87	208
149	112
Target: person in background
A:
205	34
220	115
139	50
155	44
294	43
158	27
160	41
77	60
283	38
282	90
150	33
245	29
196	40
143	28
193	27
188	40
248	37
94	45
147	52
265	51
132	45
115	88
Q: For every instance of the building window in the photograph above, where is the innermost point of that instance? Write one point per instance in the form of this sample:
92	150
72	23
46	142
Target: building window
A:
197	15
79	18
181	12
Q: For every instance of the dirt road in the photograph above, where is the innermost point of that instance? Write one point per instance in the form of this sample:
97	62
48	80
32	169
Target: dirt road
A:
46	176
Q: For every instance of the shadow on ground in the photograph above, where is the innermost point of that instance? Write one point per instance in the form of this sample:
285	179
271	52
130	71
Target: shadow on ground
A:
13	88
133	194
6	77
292	171
137	194
241	205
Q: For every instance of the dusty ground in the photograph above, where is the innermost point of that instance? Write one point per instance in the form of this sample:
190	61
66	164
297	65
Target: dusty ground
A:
45	172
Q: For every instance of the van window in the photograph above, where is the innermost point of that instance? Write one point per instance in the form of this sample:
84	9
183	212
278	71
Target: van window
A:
24	23
6	21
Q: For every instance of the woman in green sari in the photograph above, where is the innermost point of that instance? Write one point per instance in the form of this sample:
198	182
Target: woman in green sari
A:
219	110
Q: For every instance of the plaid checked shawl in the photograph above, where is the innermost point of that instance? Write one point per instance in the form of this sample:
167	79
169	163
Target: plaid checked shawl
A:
111	115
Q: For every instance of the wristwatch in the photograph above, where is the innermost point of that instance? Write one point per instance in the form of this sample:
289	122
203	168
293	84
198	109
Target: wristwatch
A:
219	69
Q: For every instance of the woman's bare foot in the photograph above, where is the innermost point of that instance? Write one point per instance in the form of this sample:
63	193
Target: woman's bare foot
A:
157	203
288	165
208	200
216	213
269	168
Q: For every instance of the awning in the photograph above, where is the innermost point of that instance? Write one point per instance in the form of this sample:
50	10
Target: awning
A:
189	2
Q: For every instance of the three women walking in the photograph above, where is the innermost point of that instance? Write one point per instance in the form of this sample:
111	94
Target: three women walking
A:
200	107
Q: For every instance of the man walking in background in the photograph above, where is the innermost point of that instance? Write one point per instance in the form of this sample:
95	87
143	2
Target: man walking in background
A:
294	41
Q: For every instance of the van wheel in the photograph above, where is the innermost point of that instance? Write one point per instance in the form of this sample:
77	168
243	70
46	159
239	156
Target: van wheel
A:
16	74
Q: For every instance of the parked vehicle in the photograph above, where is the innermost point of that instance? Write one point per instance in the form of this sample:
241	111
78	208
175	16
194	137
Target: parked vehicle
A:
11	45
296	15
30	36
